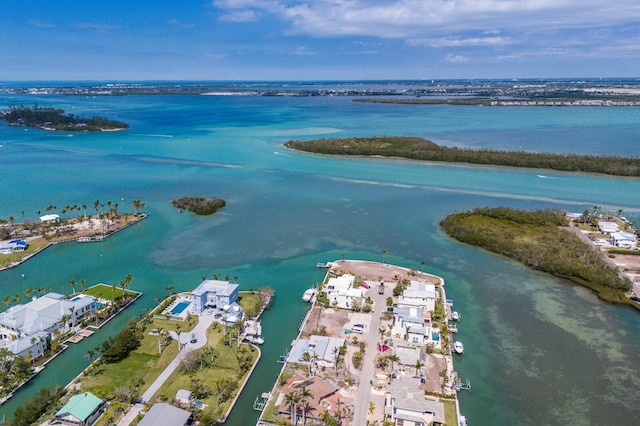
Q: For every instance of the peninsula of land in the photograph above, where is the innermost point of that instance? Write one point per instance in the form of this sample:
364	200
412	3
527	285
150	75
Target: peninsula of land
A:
545	240
416	148
55	119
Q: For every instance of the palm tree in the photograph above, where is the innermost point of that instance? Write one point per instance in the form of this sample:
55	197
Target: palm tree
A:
7	301
169	288
292	398
422	263
16	298
305	395
63	319
90	354
82	281
383	253
393	359
418	366
27	293
72	283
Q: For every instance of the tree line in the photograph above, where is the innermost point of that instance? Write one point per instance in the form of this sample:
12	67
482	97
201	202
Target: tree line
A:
55	118
416	148
540	240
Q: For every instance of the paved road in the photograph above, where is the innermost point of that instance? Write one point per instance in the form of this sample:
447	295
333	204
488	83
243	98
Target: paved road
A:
371	337
200	333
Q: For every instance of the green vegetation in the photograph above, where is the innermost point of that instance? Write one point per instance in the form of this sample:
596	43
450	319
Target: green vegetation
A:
540	240
52	118
35	407
109	292
199	205
421	149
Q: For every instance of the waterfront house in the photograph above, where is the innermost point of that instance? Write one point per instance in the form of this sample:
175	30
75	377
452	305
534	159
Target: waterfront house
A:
325	349
341	292
184	397
13	246
27	328
81	410
411	323
621	239
406	404
50	218
163	414
608	227
323	397
213	294
419	293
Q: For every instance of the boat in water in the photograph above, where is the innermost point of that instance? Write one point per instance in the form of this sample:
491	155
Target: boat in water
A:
323	265
256	340
458	347
455	316
310	295
93	239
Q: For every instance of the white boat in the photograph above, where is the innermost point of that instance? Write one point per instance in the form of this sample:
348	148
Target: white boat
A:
458	347
256	340
322	265
455	316
453	328
309	295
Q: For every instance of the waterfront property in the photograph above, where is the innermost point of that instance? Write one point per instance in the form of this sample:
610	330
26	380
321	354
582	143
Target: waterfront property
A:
323	397
406	404
341	291
213	294
81	410
318	350
8	247
419	293
27	328
621	239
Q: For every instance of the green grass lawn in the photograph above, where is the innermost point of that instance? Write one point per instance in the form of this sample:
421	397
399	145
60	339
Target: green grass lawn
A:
34	245
139	369
450	416
225	366
107	292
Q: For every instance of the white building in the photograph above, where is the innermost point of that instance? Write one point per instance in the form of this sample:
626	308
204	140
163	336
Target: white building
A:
213	294
341	291
623	239
407	405
27	328
608	227
419	294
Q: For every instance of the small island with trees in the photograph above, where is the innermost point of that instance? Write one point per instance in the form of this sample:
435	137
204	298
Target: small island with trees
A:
416	148
48	118
542	240
199	205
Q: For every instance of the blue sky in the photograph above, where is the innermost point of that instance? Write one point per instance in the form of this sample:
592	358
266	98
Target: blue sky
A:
320	39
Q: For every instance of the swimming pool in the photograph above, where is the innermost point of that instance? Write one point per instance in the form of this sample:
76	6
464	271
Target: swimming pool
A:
435	336
177	310
76	298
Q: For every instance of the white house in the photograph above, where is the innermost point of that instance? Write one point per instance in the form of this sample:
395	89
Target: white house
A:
341	291
26	328
325	349
608	227
419	293
623	239
407	405
213	294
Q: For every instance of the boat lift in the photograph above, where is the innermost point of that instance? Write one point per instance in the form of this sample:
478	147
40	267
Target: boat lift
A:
261	401
458	385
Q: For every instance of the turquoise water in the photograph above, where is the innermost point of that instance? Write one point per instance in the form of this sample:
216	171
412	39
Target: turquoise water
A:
537	349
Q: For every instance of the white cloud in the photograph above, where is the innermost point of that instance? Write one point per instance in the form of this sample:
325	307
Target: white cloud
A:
244	15
302	50
456	58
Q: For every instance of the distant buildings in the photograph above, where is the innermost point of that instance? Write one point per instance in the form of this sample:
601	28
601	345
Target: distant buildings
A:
13	246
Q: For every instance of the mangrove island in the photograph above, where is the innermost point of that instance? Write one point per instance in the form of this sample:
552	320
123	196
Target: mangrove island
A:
55	119
416	148
199	205
542	240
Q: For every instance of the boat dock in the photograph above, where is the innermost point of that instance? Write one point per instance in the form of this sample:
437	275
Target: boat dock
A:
261	401
79	336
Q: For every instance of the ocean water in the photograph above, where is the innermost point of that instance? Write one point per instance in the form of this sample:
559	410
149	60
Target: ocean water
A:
538	350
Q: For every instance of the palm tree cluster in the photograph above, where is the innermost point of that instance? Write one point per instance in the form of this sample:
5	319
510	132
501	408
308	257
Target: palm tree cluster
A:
298	399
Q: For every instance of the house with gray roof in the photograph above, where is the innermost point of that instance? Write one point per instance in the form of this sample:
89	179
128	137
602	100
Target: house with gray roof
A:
163	414
213	294
406	404
26	328
81	410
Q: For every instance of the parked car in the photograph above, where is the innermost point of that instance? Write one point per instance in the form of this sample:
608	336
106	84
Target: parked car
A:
635	298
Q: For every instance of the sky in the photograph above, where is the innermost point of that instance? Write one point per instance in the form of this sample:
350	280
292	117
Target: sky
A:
317	39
